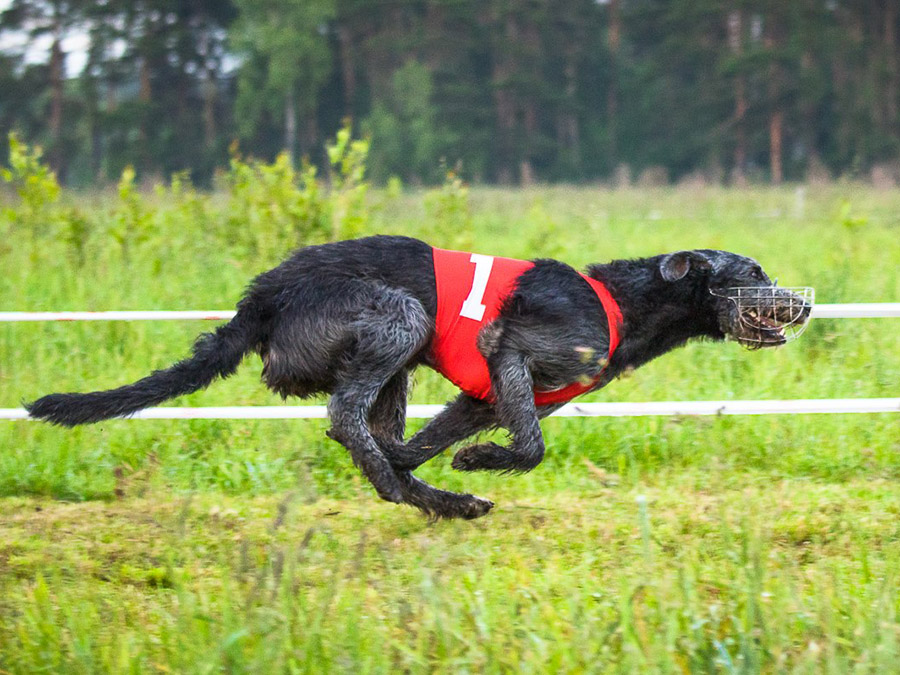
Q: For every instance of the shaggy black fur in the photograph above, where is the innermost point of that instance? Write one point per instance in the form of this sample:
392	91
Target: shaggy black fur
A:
353	318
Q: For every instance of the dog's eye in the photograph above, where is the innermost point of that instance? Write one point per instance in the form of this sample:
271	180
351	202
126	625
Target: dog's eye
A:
758	275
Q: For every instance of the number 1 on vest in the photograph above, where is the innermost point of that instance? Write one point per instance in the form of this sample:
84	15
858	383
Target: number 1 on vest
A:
472	308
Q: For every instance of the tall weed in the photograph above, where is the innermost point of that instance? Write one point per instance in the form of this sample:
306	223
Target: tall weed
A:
348	184
449	210
265	209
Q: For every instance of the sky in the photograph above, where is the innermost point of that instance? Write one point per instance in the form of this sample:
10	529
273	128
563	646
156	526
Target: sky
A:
74	45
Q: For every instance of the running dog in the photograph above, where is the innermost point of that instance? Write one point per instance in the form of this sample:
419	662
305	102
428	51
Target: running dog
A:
353	318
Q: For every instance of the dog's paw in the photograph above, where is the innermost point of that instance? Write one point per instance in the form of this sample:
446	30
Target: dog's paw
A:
383	479
481	457
476	507
464	506
389	494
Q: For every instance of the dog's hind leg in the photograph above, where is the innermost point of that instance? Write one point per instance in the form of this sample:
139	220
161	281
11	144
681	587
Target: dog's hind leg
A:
387	419
516	410
388	333
441	503
461	418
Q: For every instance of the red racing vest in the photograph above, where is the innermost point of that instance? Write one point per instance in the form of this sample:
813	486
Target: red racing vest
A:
471	289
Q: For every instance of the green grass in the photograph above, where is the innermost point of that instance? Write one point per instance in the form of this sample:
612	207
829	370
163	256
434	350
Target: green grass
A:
734	545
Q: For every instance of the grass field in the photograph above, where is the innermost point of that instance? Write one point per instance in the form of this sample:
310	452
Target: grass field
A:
733	545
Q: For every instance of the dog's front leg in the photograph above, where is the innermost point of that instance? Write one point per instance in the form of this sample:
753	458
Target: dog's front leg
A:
515	409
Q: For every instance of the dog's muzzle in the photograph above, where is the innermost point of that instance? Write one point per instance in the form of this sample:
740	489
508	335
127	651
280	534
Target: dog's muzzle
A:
767	316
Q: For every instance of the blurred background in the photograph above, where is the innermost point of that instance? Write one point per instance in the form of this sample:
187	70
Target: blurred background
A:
620	91
198	141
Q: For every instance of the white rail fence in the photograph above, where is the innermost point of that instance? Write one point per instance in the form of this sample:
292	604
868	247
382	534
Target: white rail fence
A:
635	409
862	310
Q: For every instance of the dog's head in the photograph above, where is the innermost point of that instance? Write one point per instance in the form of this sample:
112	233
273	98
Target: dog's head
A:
747	305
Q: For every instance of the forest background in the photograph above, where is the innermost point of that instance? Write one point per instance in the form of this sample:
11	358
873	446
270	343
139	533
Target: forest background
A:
646	91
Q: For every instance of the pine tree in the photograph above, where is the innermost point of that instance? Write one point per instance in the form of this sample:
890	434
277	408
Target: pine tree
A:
288	58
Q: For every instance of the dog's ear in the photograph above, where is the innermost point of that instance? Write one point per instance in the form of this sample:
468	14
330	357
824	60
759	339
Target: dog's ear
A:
676	265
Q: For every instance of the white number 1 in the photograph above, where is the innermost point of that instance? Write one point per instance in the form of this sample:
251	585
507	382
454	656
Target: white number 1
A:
472	307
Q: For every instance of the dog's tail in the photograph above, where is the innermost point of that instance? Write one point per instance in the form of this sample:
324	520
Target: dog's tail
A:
216	354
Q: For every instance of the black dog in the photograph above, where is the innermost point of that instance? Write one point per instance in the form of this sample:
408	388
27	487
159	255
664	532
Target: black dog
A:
353	318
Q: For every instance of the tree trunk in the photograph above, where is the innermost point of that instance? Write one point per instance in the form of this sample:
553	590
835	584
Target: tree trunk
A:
312	133
775	134
91	94
348	69
612	99
56	97
112	95
892	86
815	168
209	110
735	40
146	91
740	137
308	133
504	102
531	38
207	89
112	103
568	131
506	122
290	124
776	111
526	168
145	95
438	49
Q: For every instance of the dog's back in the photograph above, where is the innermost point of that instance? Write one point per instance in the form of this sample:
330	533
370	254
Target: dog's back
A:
302	317
316	303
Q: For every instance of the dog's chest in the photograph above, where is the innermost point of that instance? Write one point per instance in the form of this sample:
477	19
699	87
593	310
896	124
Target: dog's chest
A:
576	365
568	356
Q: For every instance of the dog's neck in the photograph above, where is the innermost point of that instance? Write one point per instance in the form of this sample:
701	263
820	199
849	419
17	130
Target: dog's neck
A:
658	315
